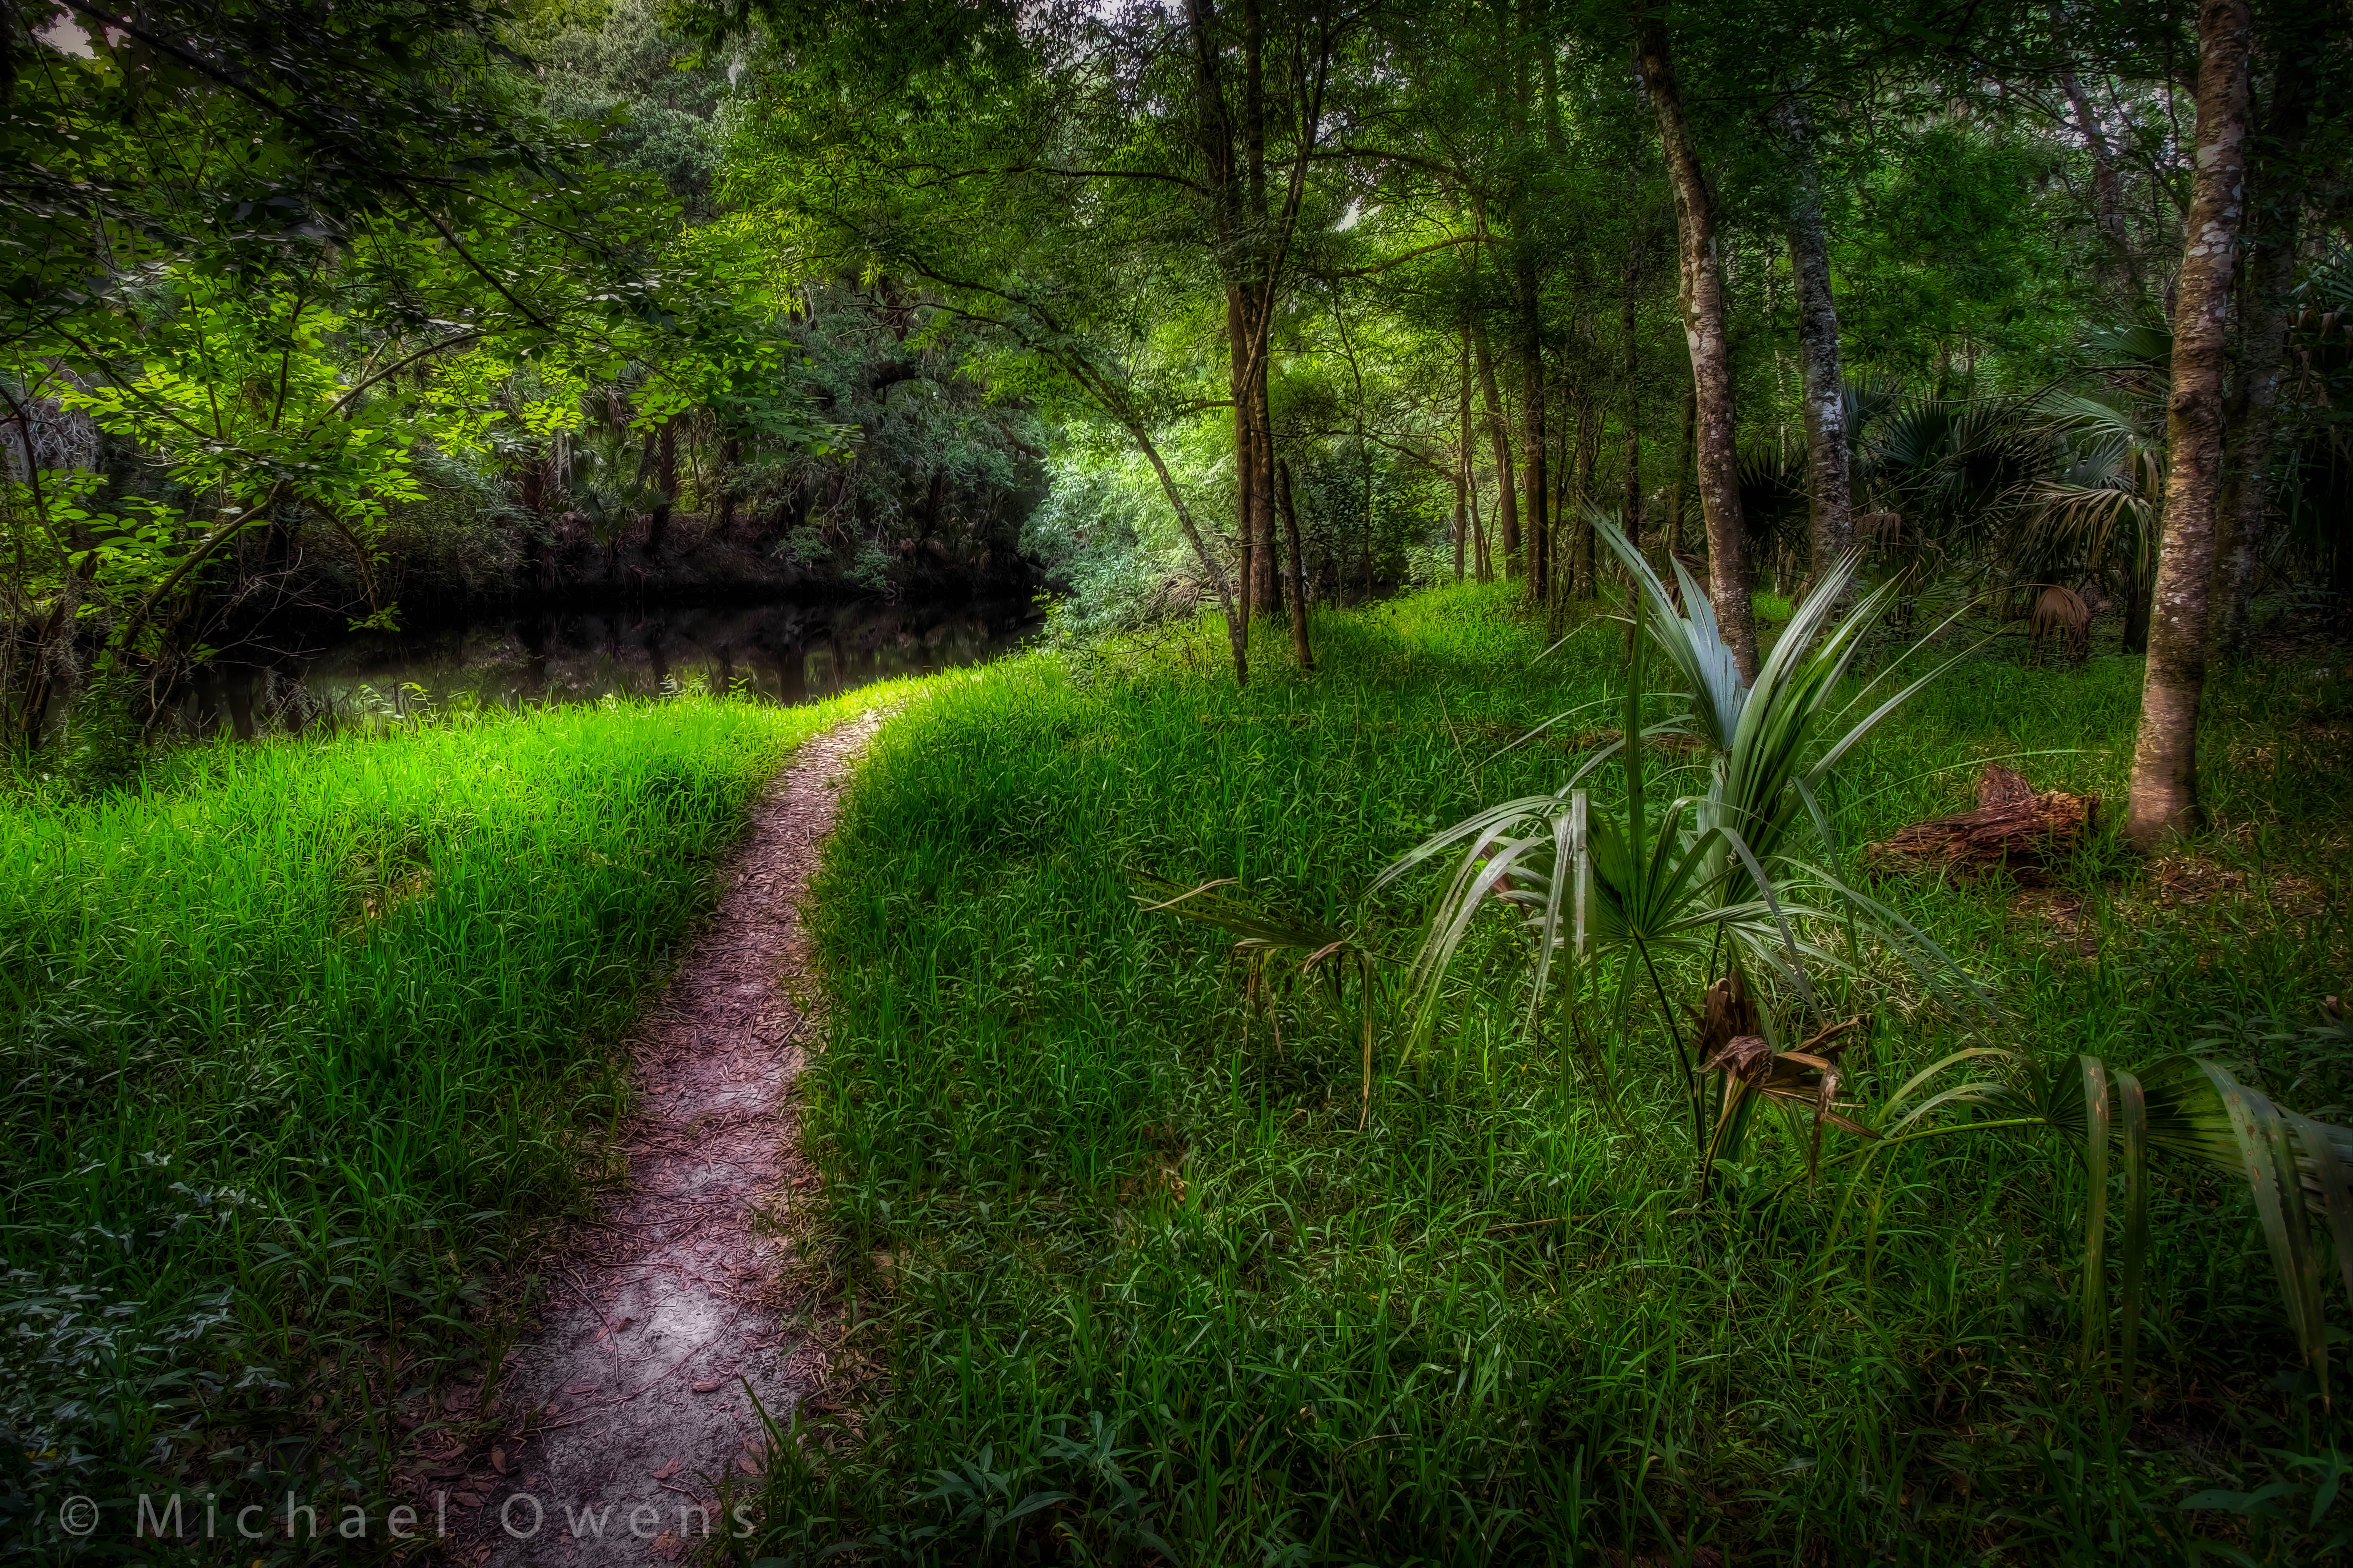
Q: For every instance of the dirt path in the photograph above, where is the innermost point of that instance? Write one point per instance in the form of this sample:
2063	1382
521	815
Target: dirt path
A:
663	1321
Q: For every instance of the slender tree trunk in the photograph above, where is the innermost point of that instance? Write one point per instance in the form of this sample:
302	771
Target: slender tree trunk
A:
1246	457
1830	503
1630	508
1588	455
1237	617
1481	567
1266	578
2245	517
1536	493
1226	183
1686	452
730	457
2107	191
1704	326
667	483
1298	586
1507	511
1267	589
2135	628
2165	761
1462	459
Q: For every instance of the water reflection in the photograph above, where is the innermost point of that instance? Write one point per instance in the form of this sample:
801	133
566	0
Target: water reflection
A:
783	653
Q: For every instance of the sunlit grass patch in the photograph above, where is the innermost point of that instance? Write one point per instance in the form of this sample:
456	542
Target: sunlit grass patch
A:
306	1042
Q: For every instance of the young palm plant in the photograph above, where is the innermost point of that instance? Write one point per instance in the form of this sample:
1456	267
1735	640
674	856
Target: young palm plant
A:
1717	874
2298	1170
2099	507
1710	876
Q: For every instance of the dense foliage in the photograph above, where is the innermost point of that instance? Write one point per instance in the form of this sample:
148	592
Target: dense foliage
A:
382	318
1575	1144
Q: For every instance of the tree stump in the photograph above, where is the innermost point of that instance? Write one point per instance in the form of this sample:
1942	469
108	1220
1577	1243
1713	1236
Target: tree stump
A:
2014	829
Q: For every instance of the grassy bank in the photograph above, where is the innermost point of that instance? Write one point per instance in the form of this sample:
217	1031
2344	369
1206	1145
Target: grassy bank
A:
1126	1280
305	1044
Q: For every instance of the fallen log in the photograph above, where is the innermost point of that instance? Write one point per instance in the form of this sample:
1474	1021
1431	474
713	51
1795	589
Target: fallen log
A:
2015	829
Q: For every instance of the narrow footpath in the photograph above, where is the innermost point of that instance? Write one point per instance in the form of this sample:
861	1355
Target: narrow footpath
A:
665	1318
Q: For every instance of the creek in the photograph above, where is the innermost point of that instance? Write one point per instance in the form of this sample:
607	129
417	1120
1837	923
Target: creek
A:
775	651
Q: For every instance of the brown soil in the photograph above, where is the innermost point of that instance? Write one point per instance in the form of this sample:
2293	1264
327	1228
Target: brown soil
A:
632	1403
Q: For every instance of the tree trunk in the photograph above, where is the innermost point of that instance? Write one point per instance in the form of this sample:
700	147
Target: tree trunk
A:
1702	292
1589	454
2107	192
1630	508
1245	452
1298	586
1237	619
1507	511
1462	461
665	446
2135	630
1479	567
1534	489
2165	759
1266	577
1830	503
2244	521
1266	588
1215	135
1684	455
731	455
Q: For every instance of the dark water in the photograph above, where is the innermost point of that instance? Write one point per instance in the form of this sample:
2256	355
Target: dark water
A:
776	652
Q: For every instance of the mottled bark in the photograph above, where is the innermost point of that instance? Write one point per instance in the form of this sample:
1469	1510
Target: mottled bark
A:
2275	228
1265	576
1245	407
1507	511
1478	527
1680	495
1701	291
1829	502
2165	759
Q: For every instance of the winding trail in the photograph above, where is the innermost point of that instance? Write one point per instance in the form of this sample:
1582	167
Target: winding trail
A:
666	1316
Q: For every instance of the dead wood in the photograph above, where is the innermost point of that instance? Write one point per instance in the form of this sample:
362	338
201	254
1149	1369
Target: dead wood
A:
2015	829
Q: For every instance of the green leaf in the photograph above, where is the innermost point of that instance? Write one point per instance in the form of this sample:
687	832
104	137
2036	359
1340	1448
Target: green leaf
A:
2095	1225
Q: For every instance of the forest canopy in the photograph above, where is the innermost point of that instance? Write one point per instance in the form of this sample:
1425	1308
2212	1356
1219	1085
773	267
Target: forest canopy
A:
631	298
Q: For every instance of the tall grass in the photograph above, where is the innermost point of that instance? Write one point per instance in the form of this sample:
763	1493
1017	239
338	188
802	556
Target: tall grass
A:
1129	1281
305	1046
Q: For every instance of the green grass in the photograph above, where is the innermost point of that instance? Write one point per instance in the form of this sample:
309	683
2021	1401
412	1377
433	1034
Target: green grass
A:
1122	1272
307	1046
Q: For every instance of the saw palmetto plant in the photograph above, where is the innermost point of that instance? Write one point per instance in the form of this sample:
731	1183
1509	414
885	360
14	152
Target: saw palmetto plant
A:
2096	508
1609	893
1716	877
2299	1172
1623	898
